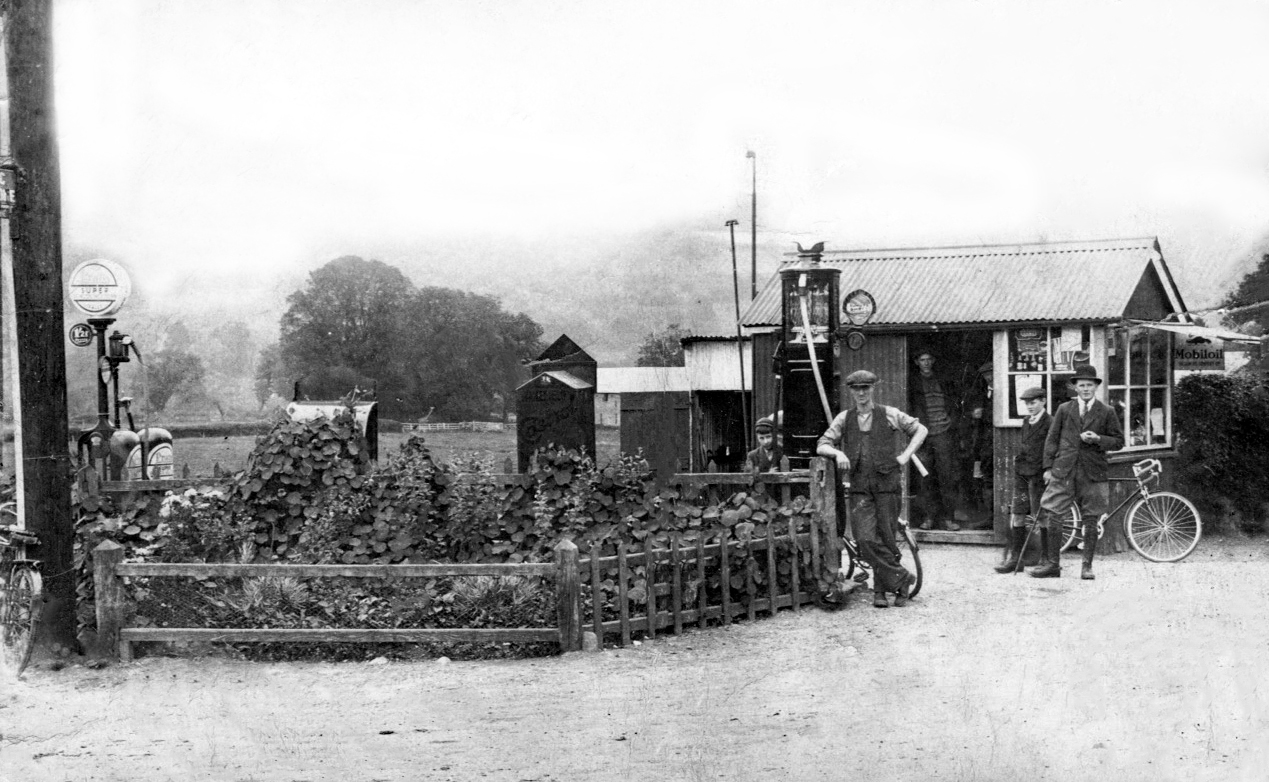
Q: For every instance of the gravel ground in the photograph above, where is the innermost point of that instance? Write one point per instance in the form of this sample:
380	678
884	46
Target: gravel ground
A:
1151	672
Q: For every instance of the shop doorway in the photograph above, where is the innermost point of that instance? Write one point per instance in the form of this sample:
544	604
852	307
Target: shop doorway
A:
950	390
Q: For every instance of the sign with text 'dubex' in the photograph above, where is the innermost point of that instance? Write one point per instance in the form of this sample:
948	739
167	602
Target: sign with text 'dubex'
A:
99	288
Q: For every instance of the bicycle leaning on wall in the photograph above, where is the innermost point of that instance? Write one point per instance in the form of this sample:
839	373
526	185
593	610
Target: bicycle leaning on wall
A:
1161	526
20	588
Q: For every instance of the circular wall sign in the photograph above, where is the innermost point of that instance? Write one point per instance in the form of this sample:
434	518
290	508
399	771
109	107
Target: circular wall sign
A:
99	288
81	335
855	339
858	306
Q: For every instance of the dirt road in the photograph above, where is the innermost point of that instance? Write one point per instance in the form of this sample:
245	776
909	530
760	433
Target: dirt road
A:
1151	672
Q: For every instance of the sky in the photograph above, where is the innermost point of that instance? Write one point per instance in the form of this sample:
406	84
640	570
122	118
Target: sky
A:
232	146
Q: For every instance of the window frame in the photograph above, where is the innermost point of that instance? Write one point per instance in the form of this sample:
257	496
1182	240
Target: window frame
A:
1002	414
1126	385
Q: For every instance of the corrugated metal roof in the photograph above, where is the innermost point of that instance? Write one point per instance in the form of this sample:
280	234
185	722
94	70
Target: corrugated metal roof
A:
1052	281
714	365
567	378
641	380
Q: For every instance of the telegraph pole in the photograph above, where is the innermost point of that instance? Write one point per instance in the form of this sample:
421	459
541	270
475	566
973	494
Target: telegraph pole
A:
35	223
753	230
740	344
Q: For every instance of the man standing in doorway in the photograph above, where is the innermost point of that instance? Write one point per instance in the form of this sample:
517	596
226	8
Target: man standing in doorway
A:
866	444
1075	468
934	403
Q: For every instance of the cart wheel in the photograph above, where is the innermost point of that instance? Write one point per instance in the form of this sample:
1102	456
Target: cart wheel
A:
910	557
1164	527
19	618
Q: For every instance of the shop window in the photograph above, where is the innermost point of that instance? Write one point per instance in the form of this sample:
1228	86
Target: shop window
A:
1043	356
1138	373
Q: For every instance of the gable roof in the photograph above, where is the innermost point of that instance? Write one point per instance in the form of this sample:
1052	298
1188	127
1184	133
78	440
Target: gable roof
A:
564	349
567	378
1086	281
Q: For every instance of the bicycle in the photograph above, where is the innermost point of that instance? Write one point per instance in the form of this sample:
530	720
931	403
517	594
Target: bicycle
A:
1161	526
20	590
909	557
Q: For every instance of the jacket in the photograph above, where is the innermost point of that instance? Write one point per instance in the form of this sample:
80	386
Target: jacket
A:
1067	455
1029	460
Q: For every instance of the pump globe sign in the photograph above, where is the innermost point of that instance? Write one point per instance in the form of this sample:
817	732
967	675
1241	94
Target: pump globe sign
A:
99	288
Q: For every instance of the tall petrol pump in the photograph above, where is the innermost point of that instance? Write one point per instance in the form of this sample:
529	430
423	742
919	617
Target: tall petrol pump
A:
806	358
99	289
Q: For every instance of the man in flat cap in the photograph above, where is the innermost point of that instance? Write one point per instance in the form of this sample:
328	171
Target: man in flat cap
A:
935	401
1084	429
1028	484
865	442
766	457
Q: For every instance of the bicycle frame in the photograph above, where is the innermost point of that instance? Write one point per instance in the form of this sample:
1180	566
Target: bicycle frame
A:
1144	472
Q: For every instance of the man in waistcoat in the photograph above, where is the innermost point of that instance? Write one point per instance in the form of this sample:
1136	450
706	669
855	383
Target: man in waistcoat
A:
935	401
867	444
1084	429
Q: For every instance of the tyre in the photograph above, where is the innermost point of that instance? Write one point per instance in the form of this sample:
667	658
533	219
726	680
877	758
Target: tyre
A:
1072	530
18	629
910	557
1164	527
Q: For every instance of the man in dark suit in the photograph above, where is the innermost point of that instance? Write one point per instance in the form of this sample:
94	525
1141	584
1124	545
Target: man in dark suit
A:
1084	429
1028	471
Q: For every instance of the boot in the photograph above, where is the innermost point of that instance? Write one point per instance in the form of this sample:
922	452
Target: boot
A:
1090	548
1018	538
1051	565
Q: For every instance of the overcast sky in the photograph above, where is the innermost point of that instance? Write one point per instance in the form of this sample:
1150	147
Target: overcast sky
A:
266	135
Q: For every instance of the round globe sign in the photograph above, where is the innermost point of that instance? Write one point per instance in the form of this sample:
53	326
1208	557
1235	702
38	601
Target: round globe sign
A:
99	288
858	306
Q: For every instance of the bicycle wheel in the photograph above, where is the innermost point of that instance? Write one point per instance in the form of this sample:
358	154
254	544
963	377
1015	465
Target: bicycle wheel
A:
910	557
1073	530
1164	527
18	631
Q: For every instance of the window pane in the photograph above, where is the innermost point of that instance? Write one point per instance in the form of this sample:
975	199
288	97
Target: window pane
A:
1160	342
1062	391
1018	384
1028	350
1137	357
1137	418
1115	352
1158	416
1116	401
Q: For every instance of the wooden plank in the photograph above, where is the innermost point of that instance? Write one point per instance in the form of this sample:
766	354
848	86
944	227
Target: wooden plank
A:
816	562
637	558
795	559
724	570
773	576
666	619
623	592
751	580
739	478
677	585
167	484
226	570
110	598
596	596
306	635
568	594
701	597
985	537
650	576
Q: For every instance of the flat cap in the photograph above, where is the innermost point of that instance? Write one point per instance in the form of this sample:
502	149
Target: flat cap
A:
765	424
1034	392
861	377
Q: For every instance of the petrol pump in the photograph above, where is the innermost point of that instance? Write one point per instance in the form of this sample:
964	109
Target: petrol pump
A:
99	289
806	358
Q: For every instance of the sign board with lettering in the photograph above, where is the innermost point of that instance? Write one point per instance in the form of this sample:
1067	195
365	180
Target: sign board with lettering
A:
81	335
99	288
1198	354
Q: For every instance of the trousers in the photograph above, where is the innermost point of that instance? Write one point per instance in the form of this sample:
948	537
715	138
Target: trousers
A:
873	516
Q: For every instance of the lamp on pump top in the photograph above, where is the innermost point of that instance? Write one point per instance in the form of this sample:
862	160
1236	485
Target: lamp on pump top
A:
809	324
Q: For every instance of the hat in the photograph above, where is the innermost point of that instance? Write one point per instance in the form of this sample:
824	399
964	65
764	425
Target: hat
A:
1034	392
1085	372
765	425
861	377
985	368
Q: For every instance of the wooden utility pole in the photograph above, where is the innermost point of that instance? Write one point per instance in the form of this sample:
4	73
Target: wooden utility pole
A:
36	231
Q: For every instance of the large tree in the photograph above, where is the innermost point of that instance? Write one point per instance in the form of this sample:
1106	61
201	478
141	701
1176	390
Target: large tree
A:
662	348
421	349
173	372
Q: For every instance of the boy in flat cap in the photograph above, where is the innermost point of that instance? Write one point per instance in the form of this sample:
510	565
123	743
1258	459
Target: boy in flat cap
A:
866	444
1084	429
766	457
1028	470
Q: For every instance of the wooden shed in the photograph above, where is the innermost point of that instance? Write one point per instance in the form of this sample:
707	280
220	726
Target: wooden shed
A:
655	413
1000	319
557	406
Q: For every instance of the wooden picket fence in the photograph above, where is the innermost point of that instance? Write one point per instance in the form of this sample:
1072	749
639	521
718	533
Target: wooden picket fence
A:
674	586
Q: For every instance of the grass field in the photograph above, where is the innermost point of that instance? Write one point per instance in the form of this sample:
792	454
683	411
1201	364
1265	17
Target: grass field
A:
202	454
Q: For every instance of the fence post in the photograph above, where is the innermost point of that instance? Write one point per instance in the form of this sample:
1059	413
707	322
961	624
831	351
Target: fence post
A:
110	599
824	505
569	584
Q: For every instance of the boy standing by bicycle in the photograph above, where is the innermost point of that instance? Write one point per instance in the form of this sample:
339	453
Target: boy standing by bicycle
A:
1028	471
1075	468
866	444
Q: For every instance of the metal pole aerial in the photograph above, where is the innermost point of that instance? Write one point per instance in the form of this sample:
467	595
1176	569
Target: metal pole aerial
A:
753	230
740	345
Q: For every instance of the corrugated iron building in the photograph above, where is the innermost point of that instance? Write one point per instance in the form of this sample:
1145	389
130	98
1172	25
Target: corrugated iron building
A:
1027	312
